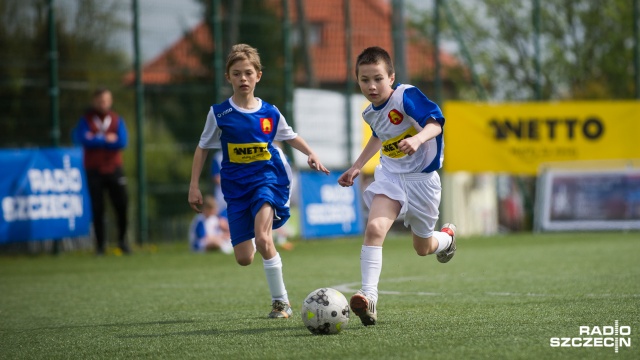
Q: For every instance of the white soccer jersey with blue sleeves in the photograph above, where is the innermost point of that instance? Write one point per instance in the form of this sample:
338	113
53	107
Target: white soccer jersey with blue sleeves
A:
404	115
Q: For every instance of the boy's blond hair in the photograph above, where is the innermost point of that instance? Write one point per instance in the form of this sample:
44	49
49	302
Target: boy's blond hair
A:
241	52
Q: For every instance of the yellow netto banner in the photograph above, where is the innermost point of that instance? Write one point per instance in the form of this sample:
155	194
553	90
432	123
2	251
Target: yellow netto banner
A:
518	137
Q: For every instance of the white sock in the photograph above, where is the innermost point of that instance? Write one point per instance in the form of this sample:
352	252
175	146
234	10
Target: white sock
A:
370	268
273	270
444	240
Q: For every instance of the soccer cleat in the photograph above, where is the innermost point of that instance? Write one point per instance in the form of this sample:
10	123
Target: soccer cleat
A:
364	307
280	309
446	254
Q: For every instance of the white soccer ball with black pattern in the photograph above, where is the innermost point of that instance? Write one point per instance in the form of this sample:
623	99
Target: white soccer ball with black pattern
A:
325	311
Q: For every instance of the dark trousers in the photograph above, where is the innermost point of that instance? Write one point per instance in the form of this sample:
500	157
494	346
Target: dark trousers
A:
116	187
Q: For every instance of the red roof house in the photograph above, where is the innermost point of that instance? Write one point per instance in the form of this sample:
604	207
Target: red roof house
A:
370	26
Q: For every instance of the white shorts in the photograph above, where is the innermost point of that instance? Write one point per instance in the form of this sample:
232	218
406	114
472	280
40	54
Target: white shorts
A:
418	194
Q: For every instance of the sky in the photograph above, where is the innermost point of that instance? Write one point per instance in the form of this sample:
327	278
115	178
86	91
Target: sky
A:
162	23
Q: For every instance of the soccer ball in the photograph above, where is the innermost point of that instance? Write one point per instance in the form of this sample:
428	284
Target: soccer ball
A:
325	311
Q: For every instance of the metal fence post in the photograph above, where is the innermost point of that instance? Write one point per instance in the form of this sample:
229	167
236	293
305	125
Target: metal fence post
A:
143	230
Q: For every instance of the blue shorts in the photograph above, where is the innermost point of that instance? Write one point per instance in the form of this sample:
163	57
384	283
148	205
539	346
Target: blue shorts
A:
242	211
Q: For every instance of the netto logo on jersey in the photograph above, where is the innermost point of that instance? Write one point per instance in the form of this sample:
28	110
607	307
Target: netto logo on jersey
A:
591	128
248	153
267	125
395	117
390	147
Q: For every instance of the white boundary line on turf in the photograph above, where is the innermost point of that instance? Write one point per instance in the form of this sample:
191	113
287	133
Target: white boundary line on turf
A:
354	286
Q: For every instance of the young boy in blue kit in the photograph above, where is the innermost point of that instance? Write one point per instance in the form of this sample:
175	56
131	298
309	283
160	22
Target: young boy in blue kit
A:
408	133
254	177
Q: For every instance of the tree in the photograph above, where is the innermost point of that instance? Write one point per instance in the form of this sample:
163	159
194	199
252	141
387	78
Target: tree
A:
85	60
182	104
586	47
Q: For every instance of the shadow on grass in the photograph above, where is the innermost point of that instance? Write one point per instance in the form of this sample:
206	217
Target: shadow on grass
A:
214	332
164	322
211	332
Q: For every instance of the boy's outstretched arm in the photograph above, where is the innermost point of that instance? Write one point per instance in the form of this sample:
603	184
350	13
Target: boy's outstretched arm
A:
195	196
299	144
373	146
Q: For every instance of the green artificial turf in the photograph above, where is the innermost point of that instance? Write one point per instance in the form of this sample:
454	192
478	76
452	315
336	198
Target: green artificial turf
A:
500	297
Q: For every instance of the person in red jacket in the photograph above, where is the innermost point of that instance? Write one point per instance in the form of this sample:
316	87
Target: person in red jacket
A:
103	134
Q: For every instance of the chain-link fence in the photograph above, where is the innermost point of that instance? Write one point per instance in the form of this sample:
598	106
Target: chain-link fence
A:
52	61
57	55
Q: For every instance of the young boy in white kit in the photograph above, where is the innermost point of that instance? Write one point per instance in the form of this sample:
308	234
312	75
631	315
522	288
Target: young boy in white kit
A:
408	133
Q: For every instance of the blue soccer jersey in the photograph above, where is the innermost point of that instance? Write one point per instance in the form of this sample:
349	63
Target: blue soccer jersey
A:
253	170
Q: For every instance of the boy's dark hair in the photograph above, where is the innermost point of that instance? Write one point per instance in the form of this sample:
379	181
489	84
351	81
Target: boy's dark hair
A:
375	55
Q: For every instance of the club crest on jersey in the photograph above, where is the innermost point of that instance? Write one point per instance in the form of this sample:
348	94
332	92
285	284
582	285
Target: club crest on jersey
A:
395	117
267	125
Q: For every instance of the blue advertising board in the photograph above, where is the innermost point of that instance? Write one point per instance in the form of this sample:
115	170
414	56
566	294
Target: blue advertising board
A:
328	209
43	194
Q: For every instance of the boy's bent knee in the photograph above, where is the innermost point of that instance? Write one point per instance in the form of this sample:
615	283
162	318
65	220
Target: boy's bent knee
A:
264	245
422	251
244	253
424	246
376	228
244	261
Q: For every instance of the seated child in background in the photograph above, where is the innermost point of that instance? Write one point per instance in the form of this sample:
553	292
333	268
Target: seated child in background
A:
208	231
